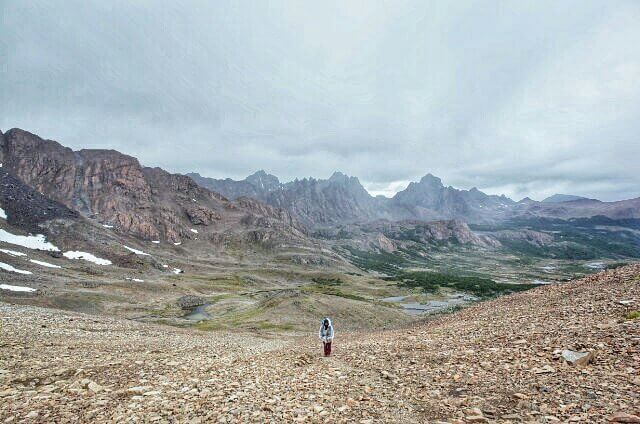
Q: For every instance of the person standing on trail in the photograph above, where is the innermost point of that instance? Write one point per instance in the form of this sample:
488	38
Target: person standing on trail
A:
326	335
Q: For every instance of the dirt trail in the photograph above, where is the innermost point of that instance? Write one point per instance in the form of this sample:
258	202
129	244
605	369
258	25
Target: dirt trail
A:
495	361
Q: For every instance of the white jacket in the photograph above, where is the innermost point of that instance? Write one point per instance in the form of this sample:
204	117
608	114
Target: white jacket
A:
327	334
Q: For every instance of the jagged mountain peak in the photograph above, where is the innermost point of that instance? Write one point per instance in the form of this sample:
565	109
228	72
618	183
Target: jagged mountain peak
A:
338	176
431	180
261	180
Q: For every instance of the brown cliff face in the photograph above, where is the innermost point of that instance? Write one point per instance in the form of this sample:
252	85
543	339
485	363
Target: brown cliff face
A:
116	190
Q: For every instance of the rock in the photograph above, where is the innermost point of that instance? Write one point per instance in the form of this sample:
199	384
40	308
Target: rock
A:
547	369
577	358
138	390
151	393
623	417
95	387
190	301
476	419
8	392
474	411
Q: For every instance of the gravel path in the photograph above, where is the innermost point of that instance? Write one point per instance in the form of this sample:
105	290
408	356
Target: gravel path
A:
495	361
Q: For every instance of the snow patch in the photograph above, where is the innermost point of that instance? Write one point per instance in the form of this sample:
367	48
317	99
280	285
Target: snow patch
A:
136	251
3	214
165	266
47	264
177	271
9	268
136	280
107	226
37	242
155	241
16	288
193	230
177	243
595	265
76	254
12	252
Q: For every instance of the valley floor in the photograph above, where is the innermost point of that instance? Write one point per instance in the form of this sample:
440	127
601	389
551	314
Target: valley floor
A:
494	361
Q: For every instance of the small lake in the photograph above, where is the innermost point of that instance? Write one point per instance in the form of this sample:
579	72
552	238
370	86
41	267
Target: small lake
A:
432	306
199	313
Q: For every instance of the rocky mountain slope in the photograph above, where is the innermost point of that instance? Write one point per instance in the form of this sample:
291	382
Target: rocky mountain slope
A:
314	202
430	199
149	203
343	200
25	207
391	236
507	360
580	208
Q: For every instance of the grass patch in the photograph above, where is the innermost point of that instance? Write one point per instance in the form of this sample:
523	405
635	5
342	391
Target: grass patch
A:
616	265
386	263
633	315
332	291
327	281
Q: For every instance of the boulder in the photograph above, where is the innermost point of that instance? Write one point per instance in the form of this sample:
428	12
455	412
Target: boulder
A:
577	358
623	417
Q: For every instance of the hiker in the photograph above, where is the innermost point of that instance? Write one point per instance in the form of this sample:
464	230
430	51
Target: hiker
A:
326	335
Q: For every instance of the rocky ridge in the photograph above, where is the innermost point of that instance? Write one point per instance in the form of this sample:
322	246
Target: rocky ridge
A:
148	203
343	200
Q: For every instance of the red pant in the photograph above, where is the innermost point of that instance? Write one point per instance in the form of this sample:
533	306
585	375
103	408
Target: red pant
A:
327	348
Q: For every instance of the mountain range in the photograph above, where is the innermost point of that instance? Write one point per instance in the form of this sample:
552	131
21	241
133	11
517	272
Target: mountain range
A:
341	199
149	203
43	180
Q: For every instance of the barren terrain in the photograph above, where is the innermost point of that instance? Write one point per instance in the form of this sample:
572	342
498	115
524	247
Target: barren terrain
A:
495	361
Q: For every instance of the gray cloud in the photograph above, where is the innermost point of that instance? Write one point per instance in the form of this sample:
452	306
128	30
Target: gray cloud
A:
525	98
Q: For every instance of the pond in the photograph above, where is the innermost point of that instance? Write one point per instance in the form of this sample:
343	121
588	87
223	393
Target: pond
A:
199	313
431	306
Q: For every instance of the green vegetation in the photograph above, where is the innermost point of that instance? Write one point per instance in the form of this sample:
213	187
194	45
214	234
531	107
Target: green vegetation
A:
327	281
478	286
574	239
633	315
386	263
331	287
616	265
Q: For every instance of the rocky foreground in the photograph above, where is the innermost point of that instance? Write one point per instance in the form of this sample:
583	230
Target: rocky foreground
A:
497	361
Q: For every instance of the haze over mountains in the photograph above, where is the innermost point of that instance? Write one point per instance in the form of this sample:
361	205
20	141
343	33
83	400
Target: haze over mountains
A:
44	180
153	204
342	199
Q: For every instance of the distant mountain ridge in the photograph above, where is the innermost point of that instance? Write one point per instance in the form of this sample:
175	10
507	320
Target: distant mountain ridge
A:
341	199
312	201
558	198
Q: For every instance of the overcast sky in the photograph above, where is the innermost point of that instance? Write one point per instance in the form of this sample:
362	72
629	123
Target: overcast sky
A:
522	98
